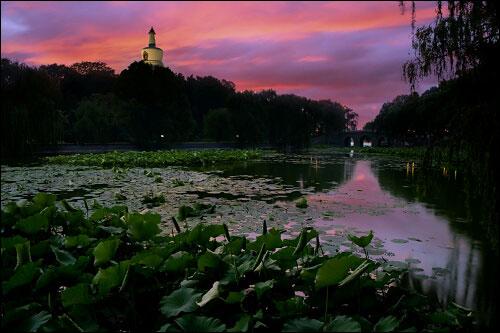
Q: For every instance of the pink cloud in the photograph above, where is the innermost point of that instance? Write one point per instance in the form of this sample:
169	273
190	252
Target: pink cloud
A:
346	51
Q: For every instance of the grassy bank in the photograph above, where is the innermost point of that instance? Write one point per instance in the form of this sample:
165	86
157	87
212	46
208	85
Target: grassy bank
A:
104	269
155	158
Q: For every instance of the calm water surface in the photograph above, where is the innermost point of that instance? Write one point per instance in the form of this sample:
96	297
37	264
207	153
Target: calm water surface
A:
420	219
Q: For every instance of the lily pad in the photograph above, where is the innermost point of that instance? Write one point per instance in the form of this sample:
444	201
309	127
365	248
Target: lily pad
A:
399	241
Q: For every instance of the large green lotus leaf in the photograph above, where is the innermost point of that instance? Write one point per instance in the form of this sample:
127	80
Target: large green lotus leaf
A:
191	323
291	307
242	324
78	294
23	254
41	249
63	257
10	242
284	257
28	208
22	276
213	230
44	199
33	224
109	214
202	233
234	297
181	300
262	287
443	317
386	324
10	208
147	258
235	245
208	260
75	219
177	262
75	271
195	234
48	276
77	241
336	269
363	241
211	294
111	277
112	230
34	322
308	235
343	324
272	239
142	227
302	325
12	316
105	250
304	237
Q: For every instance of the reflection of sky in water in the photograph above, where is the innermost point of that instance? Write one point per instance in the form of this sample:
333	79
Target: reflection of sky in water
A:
365	206
353	196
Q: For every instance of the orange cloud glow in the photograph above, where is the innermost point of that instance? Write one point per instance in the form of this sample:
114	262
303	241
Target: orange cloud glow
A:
346	51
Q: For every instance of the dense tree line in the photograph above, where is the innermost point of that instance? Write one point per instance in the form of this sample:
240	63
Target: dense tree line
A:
427	119
150	106
461	116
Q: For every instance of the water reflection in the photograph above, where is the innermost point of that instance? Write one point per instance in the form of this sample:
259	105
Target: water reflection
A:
444	262
315	175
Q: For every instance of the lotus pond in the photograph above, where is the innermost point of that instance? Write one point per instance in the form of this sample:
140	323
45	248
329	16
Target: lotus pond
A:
419	221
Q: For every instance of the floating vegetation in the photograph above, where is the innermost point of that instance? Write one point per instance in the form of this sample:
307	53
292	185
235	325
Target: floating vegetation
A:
177	182
412	261
244	197
301	203
399	241
198	209
119	196
152	200
114	271
330	214
155	158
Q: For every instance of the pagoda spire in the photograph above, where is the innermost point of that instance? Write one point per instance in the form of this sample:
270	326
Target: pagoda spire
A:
152	40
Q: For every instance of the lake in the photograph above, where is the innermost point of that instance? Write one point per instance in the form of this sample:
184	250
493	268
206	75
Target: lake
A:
420	219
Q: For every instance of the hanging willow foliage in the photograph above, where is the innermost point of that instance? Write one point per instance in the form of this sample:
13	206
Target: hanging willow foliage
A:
460	38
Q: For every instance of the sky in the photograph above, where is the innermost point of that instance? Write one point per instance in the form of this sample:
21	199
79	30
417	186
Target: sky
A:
349	52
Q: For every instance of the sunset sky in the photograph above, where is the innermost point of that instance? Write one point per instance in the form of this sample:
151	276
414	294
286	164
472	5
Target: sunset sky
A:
347	52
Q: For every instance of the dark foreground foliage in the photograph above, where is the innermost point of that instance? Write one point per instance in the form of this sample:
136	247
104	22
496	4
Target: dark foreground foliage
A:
64	269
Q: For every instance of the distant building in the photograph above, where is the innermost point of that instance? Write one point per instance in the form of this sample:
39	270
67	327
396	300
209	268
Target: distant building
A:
152	54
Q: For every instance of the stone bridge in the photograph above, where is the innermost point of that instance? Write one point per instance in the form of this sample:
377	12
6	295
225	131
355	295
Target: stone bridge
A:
357	139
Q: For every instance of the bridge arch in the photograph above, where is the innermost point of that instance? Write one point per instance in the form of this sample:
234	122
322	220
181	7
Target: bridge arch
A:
366	141
356	138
